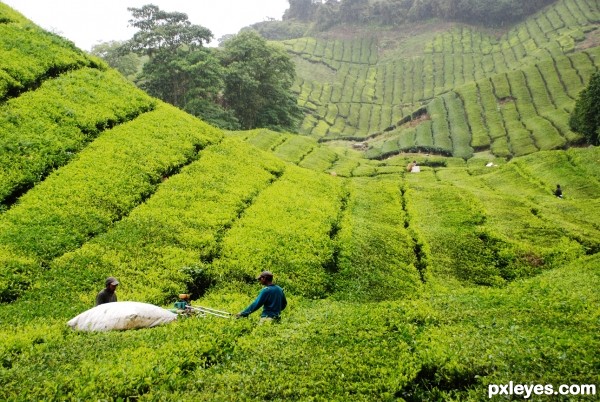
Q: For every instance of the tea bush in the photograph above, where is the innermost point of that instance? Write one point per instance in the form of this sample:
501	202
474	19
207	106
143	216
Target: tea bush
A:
30	55
173	237
320	159
295	149
43	129
446	344
401	286
441	341
376	254
536	70
103	184
146	360
287	229
455	246
8	15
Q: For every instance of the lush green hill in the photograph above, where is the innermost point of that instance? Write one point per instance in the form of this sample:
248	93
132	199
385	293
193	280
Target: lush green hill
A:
402	286
448	88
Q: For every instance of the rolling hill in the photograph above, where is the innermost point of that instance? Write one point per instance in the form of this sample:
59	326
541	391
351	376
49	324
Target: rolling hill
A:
451	89
402	286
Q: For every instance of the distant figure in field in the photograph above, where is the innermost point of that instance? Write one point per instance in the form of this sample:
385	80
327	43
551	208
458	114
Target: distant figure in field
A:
410	166
558	191
107	295
271	298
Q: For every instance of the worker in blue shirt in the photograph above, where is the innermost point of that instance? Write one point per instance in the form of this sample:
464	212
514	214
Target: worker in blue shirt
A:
271	298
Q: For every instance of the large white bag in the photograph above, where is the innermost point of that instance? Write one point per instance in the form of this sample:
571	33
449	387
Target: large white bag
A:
121	316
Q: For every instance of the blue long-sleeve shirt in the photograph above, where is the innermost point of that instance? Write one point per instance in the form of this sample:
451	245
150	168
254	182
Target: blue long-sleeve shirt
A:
271	298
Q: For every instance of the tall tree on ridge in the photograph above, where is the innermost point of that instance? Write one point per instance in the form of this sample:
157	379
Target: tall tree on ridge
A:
180	69
164	31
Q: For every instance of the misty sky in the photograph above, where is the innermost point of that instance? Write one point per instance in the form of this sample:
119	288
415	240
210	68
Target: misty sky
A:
87	22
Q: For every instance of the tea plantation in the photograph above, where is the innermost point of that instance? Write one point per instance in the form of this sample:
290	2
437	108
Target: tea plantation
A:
451	89
402	286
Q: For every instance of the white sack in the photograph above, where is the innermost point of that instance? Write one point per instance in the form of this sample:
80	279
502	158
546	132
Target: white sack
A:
121	316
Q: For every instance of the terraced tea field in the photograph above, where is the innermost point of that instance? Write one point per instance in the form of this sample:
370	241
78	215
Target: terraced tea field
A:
459	91
401	286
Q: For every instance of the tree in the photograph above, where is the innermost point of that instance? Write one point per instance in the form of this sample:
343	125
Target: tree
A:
325	15
258	83
127	64
247	84
585	118
179	70
176	77
302	10
352	11
160	30
391	12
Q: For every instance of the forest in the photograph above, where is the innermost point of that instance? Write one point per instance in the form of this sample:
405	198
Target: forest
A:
330	13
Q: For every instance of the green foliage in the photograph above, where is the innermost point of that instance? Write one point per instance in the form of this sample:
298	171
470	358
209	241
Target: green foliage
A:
127	64
447	344
514	90
396	12
401	286
102	185
179	70
288	230
164	31
246	84
320	159
210	112
180	77
295	149
176	234
481	336
258	82
279	30
267	140
164	362
376	257
585	117
29	55
8	15
15	280
454	245
302	10
42	130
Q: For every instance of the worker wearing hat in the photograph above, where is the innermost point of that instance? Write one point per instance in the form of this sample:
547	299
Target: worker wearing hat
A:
271	298
107	295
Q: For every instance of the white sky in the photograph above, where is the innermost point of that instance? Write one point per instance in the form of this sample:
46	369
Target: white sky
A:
87	22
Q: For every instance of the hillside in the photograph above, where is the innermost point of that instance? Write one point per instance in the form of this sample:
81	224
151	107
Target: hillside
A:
448	88
401	286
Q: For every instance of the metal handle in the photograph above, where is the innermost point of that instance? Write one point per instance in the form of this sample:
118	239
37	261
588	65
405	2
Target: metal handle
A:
211	311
